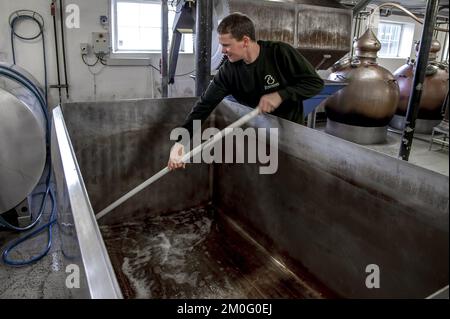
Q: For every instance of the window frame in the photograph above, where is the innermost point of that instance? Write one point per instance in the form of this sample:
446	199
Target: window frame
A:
402	27
407	34
132	54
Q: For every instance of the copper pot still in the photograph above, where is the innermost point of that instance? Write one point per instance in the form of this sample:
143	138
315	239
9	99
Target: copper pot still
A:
362	110
435	88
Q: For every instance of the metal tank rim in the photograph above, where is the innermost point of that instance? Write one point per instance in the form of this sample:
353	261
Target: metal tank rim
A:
357	134
422	126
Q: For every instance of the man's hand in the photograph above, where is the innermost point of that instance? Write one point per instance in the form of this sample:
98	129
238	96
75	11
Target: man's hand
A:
176	154
269	102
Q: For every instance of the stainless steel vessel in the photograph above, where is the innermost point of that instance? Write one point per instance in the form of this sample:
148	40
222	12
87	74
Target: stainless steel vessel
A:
22	140
157	246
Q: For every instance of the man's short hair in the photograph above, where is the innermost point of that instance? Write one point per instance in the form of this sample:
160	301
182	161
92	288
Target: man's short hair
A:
238	25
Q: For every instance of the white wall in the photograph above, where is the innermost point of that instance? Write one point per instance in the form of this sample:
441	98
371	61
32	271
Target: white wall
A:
112	83
393	64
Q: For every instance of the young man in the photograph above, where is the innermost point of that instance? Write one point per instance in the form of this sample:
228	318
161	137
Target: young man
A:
270	75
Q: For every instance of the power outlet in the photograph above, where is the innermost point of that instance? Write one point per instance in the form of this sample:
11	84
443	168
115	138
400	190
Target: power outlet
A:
100	42
84	48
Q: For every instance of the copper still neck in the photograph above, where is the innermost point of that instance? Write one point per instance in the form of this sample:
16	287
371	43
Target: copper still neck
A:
434	49
367	45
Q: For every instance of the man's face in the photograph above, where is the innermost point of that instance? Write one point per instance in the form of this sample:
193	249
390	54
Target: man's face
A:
232	48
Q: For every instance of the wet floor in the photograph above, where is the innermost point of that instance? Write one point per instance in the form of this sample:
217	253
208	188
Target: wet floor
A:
190	254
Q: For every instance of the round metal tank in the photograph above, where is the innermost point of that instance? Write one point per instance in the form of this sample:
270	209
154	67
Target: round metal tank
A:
362	110
435	88
22	140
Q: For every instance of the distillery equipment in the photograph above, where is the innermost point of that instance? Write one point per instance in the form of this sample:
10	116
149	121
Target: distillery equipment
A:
176	238
435	88
320	30
362	110
23	127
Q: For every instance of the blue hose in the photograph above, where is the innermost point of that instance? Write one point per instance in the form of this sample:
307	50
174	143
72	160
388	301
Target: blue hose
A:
30	235
18	77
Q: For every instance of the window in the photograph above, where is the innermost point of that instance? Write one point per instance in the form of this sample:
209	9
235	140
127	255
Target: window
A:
396	39
137	26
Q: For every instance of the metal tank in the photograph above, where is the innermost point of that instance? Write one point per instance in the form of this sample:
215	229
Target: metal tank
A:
22	138
320	30
362	110
209	230
435	88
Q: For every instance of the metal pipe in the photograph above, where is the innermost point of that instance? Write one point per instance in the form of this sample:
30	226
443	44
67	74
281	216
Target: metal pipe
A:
443	57
355	19
63	44
53	13
409	13
311	122
445	108
173	56
360	5
419	77
203	45
164	44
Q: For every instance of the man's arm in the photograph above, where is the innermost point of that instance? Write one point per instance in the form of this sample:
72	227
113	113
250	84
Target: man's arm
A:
304	82
213	95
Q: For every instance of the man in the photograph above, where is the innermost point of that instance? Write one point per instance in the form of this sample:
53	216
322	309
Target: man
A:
270	75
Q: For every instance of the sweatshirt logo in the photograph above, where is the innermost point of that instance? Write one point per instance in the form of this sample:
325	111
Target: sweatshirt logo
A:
271	82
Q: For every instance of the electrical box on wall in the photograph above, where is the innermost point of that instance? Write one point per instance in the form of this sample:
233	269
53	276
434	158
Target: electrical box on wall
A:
104	20
100	42
84	48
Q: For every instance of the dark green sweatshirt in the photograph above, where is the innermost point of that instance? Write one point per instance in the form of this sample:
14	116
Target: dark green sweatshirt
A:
279	67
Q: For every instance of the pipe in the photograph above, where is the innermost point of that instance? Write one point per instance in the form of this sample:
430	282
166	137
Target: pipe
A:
445	109
419	77
164	44
409	13
360	5
203	45
445	46
61	16
222	134
355	19
53	13
174	52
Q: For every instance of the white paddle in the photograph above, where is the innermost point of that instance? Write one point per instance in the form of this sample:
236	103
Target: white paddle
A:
187	156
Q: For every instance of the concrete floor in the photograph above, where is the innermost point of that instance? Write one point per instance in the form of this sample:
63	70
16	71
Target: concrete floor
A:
436	159
44	279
